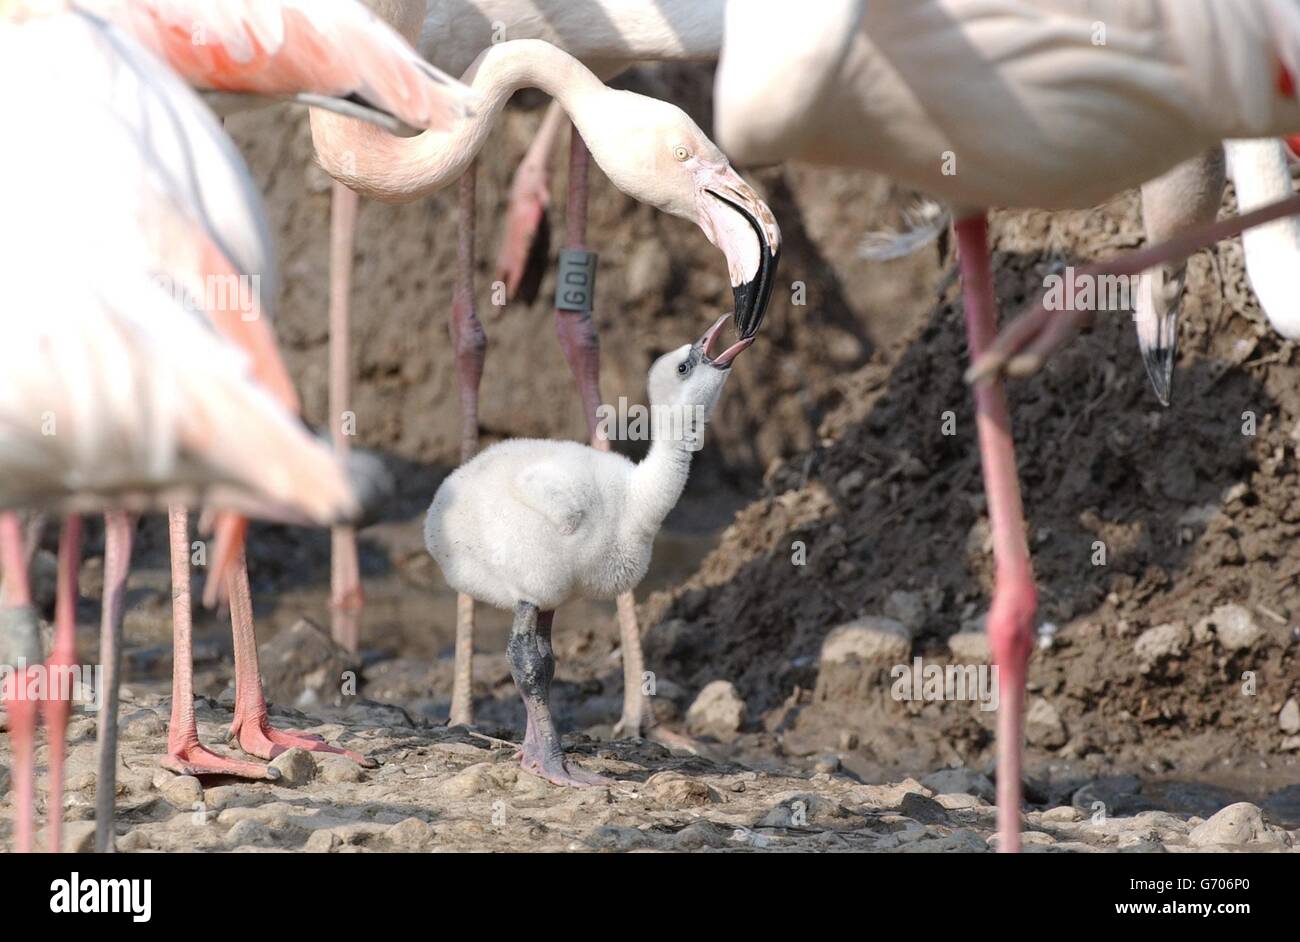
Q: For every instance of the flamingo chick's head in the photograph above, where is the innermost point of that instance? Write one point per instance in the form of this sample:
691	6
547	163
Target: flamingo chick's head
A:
685	383
655	153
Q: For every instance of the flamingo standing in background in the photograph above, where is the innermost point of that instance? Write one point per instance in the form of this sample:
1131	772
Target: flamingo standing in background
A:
912	89
192	218
334	54
650	150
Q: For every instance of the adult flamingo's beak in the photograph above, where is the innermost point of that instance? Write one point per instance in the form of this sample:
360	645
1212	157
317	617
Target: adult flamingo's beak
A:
742	226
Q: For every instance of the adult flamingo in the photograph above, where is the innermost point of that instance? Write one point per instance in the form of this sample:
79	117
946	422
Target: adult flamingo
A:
195	208
1087	98
650	150
335	54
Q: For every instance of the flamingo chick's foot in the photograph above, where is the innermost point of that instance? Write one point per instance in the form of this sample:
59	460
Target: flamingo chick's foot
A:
258	737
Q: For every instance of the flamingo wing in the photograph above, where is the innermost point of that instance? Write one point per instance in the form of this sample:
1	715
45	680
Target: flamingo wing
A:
332	48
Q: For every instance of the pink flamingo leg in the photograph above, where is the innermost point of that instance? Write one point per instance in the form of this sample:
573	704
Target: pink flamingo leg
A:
530	197
345	571
581	346
21	647
1014	597
470	343
251	726
117	562
58	704
185	754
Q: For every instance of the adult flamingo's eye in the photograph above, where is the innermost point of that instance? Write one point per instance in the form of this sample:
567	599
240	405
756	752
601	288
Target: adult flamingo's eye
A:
680	152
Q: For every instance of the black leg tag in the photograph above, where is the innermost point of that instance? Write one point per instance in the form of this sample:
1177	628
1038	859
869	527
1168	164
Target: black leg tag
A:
575	288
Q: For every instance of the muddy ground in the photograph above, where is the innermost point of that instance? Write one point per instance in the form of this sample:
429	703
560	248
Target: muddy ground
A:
840	483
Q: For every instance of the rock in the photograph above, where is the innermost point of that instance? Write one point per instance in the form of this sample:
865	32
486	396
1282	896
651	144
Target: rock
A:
1062	815
78	838
961	781
412	833
1242	823
1043	726
718	711
960	802
249	833
675	789
613	837
907	608
1290	744
869	639
804	810
969	647
856	658
182	792
296	767
886	797
322	842
923	809
1233	626
142	724
337	769
1289	718
1161	643
469	782
304	666
701	834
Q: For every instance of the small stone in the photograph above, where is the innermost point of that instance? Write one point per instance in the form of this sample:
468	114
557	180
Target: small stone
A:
960	781
869	639
322	842
827	765
1233	626
851	483
718	711
923	809
960	802
969	647
469	782
675	789
338	769
412	832
1043	726
1242	823
182	792
78	837
1161	643
249	833
699	834
296	767
1289	718
907	608
1062	815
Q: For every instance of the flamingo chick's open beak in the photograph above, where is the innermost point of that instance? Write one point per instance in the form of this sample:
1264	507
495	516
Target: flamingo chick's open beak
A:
723	360
741	225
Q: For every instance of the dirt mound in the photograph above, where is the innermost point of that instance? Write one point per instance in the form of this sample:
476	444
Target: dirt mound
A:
1194	507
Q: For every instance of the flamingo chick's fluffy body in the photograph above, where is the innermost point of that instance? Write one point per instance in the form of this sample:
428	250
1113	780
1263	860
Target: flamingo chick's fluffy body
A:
528	525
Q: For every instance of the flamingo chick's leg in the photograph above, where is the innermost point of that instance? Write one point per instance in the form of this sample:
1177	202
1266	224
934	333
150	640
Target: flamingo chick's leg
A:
1010	617
530	197
57	704
345	571
532	664
185	754
574	301
20	648
251	725
117	563
470	343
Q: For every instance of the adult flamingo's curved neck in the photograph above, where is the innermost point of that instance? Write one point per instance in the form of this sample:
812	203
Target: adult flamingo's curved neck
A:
400	169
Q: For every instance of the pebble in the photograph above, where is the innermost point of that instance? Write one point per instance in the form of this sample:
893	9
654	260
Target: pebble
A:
322	842
907	608
676	789
249	832
296	767
1161	643
868	639
1043	726
182	792
1242	823
338	769
961	781
718	711
1062	815
923	809
969	647
1233	626
1289	718
412	832
469	782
